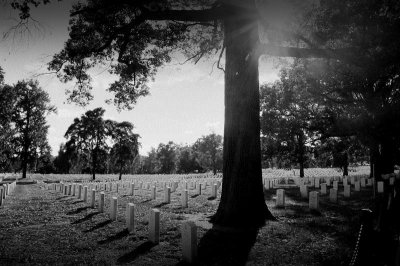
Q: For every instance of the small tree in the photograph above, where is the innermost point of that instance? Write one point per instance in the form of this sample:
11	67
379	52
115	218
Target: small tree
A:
166	157
89	134
126	145
209	152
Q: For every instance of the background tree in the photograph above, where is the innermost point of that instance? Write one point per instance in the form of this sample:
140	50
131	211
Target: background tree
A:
126	145
209	152
187	161
166	156
30	109
89	135
7	127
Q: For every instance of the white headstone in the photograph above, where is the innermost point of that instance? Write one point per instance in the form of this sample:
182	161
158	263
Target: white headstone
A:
214	190
362	182
280	198
317	182
357	186
391	181
85	190
313	202
333	195
304	191
184	199
114	208
380	187
189	241
93	198
154	226
130	217
167	195
323	189
101	203
347	191
336	185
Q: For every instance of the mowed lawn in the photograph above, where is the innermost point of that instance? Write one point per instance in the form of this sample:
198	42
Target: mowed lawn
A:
41	226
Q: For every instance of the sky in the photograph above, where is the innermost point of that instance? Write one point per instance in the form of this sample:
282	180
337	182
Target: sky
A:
186	101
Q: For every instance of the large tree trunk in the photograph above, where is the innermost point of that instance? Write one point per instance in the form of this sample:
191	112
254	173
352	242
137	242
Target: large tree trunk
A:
301	153
94	163
242	204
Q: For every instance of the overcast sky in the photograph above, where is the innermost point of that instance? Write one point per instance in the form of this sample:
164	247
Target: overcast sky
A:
185	102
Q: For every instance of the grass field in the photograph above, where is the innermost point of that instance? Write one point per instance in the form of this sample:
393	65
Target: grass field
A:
41	226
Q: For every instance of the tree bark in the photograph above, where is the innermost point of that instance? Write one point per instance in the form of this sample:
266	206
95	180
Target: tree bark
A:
301	153
242	204
94	163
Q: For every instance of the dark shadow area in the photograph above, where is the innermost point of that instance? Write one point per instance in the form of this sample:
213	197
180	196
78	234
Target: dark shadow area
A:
139	250
211	198
76	202
78	210
63	197
146	201
194	196
98	226
219	247
87	217
117	236
160	205
268	194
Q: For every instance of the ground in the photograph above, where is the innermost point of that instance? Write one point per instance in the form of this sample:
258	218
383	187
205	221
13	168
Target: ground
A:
41	226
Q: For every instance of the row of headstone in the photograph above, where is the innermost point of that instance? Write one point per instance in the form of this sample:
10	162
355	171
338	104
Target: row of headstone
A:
5	190
189	229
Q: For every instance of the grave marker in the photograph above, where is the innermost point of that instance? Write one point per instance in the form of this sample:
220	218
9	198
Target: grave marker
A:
184	199
153	193
93	198
323	189
154	226
167	195
304	191
280	198
114	208
335	185
313	202
347	191
85	190
333	195
130	217
101	203
362	182
380	187
357	186
189	241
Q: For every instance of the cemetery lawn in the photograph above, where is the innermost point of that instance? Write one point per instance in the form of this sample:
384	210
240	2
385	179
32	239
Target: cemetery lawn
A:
40	226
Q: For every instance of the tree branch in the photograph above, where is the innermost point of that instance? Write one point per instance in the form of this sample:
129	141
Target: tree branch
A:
342	54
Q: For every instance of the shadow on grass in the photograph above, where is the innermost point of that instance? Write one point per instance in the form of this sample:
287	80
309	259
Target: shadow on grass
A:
63	197
146	201
98	226
117	236
78	210
139	250
211	198
76	202
194	196
87	217
160	205
218	247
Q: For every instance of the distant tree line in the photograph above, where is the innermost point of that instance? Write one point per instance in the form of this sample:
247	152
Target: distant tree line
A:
95	145
23	128
204	155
